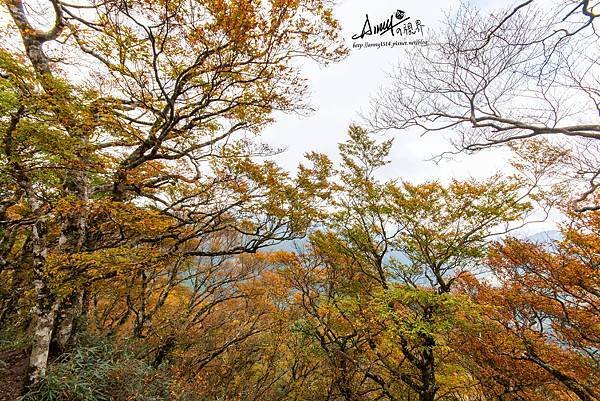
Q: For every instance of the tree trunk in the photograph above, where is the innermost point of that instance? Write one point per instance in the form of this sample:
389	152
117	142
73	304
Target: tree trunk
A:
66	324
42	335
45	308
428	394
429	385
163	351
583	392
73	226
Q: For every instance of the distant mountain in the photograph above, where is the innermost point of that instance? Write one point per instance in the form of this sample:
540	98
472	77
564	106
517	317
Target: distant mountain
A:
545	237
288	246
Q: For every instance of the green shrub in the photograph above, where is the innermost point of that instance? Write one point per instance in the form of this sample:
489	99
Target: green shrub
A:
13	339
96	371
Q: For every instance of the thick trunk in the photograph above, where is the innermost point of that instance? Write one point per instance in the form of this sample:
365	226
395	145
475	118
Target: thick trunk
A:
66	324
427	395
73	226
45	309
72	238
42	335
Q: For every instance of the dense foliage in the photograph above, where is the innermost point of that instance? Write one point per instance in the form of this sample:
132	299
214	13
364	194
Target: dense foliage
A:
149	250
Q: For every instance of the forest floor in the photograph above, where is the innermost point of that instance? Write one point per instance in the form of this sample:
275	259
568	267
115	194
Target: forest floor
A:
13	370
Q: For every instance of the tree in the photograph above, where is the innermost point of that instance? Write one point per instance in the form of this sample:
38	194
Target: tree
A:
378	282
147	152
544	311
504	77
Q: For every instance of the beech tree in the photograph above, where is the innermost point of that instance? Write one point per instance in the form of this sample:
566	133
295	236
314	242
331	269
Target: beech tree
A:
158	123
139	210
503	77
543	317
378	285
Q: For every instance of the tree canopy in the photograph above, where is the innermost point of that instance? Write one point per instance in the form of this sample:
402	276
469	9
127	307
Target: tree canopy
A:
151	249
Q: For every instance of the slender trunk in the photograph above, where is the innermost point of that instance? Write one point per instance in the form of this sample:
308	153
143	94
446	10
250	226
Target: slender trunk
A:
19	282
141	316
164	350
426	365
44	311
81	323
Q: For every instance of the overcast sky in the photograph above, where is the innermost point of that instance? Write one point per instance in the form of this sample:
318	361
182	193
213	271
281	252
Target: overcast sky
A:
341	91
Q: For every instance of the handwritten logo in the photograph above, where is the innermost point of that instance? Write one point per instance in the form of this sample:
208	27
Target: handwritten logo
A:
397	24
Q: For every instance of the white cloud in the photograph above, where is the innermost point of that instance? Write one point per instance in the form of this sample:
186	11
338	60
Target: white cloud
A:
341	91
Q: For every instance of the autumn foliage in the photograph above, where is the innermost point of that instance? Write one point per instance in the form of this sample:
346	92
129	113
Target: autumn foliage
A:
151	250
